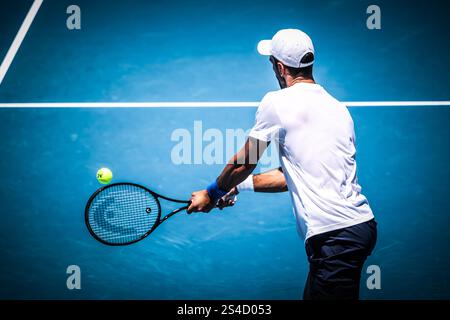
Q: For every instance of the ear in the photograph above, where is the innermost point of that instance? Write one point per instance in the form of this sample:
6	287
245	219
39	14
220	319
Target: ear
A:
281	68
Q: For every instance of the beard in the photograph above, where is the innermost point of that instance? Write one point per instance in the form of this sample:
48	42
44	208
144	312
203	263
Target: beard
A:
282	83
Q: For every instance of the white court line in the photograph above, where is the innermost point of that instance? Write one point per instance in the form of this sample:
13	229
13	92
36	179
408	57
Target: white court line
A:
19	38
131	105
211	104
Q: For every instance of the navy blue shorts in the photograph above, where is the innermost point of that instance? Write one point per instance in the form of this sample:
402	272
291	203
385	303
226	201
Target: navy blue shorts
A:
336	259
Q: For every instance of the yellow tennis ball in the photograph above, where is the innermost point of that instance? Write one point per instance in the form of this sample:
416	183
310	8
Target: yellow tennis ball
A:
104	175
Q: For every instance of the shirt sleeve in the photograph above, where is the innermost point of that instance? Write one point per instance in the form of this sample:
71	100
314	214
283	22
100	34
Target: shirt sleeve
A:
267	125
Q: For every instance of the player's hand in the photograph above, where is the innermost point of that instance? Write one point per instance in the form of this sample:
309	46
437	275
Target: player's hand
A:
200	202
228	200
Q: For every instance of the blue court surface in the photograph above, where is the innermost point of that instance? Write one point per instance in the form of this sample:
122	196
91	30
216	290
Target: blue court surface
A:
205	51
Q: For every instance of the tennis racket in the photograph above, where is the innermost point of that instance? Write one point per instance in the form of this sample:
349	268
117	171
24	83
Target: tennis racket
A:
124	213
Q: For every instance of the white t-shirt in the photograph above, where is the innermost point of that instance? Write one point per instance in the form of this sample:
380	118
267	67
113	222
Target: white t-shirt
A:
316	141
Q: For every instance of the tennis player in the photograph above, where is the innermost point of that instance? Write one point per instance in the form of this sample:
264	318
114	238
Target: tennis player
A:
316	140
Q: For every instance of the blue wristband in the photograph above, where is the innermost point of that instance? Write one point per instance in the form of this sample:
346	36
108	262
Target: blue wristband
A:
214	192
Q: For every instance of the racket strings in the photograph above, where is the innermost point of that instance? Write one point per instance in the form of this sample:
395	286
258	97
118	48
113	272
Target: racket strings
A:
122	214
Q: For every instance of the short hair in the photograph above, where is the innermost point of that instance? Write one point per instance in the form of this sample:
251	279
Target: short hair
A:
306	72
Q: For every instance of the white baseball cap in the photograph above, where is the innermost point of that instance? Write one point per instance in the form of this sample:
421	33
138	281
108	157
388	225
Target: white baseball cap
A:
288	46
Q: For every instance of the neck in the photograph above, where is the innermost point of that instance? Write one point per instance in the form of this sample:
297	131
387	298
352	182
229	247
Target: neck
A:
291	81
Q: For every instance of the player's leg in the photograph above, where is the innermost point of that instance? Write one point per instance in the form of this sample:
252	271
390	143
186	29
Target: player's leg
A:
336	260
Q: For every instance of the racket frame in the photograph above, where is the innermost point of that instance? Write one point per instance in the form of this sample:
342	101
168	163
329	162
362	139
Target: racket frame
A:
158	220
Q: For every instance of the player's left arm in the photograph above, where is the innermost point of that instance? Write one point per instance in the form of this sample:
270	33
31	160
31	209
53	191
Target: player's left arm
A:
237	170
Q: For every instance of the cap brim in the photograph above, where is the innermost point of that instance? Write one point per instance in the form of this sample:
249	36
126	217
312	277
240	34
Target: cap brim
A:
265	47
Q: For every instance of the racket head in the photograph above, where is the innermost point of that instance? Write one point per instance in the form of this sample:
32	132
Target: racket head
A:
122	213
